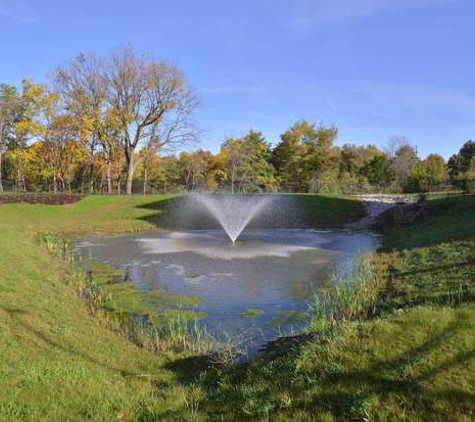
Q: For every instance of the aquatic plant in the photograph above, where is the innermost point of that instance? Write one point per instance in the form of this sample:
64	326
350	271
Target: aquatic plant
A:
252	312
177	329
351	297
55	244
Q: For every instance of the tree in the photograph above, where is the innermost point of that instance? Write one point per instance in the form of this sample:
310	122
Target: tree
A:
427	173
305	154
247	163
403	161
198	170
62	129
460	163
9	102
29	123
152	102
378	170
84	88
289	154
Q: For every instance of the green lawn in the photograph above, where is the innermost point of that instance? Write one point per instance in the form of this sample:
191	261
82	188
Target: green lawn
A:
56	361
411	358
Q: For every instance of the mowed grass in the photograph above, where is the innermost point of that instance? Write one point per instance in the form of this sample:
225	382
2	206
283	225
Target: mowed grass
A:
411	357
57	362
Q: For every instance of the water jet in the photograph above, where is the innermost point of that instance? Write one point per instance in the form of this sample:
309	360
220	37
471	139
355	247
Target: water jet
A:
234	211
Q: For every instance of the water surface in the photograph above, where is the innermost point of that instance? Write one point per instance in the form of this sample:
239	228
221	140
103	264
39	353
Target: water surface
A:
253	290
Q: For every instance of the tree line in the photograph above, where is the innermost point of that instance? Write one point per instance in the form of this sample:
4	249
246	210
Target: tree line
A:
105	122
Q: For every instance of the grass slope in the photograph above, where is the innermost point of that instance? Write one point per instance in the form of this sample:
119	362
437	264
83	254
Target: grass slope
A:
57	362
414	360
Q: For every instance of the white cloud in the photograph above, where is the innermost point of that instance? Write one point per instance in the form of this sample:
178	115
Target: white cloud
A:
17	10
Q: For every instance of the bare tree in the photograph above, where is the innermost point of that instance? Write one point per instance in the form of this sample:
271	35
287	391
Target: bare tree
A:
153	104
84	87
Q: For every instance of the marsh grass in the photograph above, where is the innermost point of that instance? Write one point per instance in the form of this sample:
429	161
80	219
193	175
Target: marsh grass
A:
352	297
55	244
177	329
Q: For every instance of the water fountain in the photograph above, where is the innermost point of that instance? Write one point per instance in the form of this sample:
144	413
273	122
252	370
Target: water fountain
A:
234	212
247	291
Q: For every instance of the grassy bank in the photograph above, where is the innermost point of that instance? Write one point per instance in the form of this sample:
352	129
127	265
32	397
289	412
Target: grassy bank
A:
402	350
57	362
400	345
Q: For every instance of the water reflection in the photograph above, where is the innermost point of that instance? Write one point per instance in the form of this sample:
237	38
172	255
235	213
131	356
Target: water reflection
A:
265	280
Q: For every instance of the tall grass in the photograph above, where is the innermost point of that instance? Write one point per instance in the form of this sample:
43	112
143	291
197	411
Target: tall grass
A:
55	244
353	296
179	333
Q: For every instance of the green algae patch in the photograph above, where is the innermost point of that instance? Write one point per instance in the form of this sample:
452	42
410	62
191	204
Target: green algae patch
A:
136	299
103	273
156	304
288	317
252	313
181	300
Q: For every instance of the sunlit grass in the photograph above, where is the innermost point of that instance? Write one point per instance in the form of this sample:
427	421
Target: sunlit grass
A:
394	341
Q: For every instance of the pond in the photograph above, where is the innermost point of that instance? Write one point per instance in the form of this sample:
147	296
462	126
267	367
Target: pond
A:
247	292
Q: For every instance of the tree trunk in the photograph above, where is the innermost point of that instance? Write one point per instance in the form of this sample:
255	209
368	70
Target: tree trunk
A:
109	176
55	184
145	180
130	171
1	178
91	177
21	178
232	180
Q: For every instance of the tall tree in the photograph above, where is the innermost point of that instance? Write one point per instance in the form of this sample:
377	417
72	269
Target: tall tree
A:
9	103
460	163
306	154
29	124
403	161
152	102
247	163
428	173
84	88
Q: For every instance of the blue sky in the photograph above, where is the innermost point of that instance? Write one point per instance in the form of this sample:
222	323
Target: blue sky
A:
374	68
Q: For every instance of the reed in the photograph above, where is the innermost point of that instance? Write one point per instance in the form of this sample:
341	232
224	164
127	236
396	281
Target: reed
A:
178	333
355	296
55	244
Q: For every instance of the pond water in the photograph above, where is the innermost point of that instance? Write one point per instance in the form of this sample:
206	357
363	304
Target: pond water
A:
253	290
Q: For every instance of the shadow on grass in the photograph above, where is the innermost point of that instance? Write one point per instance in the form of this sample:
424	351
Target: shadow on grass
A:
285	211
18	319
441	220
243	391
442	275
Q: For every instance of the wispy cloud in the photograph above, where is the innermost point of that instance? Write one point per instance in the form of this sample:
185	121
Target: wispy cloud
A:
17	10
305	13
417	98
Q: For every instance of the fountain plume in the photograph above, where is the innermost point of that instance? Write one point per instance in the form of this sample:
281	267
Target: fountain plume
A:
234	212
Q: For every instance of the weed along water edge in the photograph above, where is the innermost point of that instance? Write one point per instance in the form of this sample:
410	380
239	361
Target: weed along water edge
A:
218	275
393	336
